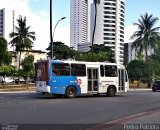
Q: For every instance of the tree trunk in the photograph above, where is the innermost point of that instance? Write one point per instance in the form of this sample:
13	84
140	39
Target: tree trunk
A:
149	69
19	65
138	83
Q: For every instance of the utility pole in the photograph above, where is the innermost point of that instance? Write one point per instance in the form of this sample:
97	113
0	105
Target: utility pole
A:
51	38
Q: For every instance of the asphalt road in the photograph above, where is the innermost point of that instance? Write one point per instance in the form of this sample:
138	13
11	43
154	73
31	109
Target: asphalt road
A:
30	110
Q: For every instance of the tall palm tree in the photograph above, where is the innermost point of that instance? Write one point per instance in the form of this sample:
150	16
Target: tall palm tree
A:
145	37
95	21
22	38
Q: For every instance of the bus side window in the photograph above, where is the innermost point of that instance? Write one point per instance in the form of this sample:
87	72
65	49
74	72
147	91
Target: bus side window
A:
110	71
102	70
78	69
55	70
61	69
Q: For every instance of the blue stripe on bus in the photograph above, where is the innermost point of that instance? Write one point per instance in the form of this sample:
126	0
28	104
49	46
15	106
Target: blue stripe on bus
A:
59	84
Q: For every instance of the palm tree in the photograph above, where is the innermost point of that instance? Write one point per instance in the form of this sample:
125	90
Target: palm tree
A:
145	37
95	21
22	38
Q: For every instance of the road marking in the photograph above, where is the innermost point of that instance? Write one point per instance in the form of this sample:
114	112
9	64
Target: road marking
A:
123	120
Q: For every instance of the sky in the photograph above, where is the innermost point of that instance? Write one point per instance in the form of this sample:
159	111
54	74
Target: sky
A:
37	14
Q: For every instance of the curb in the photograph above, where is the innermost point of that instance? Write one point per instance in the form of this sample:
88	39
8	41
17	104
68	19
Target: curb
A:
140	89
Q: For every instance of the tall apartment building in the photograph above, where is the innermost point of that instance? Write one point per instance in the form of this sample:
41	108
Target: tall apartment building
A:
2	22
110	26
7	22
78	22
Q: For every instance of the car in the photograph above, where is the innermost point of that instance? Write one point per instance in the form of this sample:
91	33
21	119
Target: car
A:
7	80
156	85
21	81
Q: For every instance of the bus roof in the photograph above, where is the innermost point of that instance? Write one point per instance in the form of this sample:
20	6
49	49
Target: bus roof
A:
84	62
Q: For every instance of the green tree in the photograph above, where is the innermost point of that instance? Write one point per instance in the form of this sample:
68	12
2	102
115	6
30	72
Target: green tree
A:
95	22
27	67
137	70
22	38
105	50
145	37
93	57
101	53
5	56
139	56
155	63
7	71
61	51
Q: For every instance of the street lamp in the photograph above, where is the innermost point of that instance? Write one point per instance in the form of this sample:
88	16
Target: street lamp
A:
54	32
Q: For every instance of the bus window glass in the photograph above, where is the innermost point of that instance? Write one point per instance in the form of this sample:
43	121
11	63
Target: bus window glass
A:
60	69
110	71
78	69
102	70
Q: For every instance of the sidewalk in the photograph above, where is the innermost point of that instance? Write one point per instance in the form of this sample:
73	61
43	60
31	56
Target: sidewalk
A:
140	89
148	120
8	88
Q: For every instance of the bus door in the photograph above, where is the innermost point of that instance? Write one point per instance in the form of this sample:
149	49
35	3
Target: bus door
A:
123	80
92	75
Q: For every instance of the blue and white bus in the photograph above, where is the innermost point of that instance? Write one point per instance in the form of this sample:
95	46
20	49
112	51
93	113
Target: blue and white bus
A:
72	78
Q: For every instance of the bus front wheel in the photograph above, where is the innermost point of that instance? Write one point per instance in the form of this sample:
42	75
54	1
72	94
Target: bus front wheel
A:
71	92
111	91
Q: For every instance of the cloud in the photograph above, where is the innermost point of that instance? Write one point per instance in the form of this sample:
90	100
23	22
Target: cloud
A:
38	21
128	32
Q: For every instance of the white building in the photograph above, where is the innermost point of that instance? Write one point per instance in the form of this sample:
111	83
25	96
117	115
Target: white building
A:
110	26
85	47
38	55
78	22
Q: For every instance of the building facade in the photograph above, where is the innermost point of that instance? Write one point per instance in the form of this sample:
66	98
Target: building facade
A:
85	47
8	22
2	21
78	22
110	26
38	55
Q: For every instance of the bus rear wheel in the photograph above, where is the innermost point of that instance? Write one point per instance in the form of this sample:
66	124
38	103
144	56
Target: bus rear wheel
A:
111	91
71	92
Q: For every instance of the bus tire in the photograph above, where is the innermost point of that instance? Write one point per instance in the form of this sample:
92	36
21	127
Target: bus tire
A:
71	92
111	91
153	89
